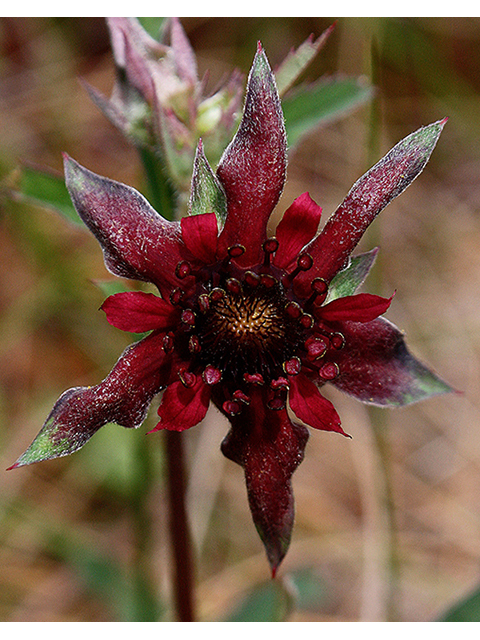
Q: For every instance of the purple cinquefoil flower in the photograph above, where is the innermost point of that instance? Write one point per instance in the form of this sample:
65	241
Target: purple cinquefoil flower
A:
254	324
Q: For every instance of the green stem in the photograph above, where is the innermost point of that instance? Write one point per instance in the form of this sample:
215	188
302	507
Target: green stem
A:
161	192
183	579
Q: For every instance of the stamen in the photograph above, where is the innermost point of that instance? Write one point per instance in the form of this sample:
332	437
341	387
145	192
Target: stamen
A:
329	371
188	317
316	347
304	263
211	375
233	286
187	378
183	269
236	250
168	342
320	289
216	294
269	247
293	366
194	345
242	397
307	321
232	407
338	340
251	278
253	378
267	280
279	383
176	296
279	400
203	302
293	309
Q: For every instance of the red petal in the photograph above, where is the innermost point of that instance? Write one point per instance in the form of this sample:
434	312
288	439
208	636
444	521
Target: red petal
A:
311	407
200	234
362	307
269	447
136	241
137	311
297	227
252	169
183	407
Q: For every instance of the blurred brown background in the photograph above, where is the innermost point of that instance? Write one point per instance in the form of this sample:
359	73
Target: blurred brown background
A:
388	524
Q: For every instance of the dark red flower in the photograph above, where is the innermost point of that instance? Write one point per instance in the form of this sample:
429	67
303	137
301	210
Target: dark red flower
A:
254	324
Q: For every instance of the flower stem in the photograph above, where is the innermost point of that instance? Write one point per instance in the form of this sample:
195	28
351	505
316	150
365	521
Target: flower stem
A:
183	579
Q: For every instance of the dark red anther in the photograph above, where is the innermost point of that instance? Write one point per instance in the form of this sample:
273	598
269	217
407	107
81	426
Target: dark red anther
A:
236	250
187	377
216	294
293	366
337	340
304	262
307	321
329	371
293	309
176	296
183	269
253	378
203	302
319	286
320	290
269	246
316	347
279	383
168	342
267	280
188	317
251	278
240	396
194	345
233	286
232	407
211	375
279	400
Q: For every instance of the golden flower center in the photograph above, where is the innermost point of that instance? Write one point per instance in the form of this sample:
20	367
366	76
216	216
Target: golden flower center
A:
248	319
247	331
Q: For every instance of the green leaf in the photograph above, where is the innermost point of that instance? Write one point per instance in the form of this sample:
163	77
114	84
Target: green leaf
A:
130	598
267	602
347	281
326	100
467	610
297	61
310	589
48	190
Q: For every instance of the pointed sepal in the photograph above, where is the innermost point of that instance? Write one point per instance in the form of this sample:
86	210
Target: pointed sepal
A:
385	181
269	447
347	281
253	167
123	397
207	194
137	242
377	367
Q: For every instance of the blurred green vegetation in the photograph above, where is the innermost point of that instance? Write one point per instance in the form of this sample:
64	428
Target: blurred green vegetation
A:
382	532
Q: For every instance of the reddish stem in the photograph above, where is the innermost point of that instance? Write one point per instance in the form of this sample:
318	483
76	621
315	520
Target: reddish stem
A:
183	580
